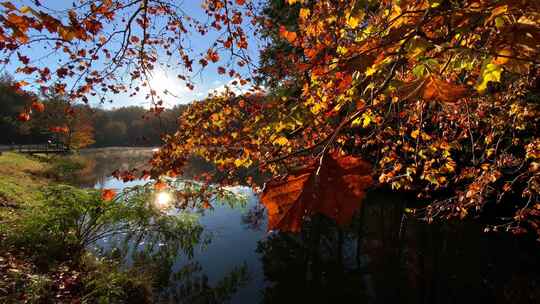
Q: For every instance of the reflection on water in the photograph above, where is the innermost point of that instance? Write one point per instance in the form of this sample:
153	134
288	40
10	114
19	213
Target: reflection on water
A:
384	257
101	162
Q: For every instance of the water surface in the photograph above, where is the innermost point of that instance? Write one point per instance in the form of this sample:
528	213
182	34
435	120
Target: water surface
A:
383	257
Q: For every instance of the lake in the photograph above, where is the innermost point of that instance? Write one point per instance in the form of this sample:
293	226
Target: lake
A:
385	256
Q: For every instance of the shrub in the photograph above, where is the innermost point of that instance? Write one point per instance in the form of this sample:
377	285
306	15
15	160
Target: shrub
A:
106	282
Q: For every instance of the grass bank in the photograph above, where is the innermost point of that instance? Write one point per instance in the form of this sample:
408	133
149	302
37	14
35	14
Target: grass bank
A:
42	258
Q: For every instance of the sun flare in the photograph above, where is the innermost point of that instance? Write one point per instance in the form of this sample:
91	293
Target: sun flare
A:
161	83
163	199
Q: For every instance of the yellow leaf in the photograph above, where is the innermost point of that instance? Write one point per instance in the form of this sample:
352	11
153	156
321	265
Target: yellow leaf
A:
370	71
491	72
496	12
25	9
245	162
366	121
282	140
238	162
414	134
342	50
317	107
425	136
356	122
353	22
304	13
435	3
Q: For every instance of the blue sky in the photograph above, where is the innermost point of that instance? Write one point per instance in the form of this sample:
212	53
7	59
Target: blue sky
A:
164	77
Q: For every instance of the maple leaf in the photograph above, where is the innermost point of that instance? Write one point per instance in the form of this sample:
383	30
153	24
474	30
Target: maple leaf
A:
490	73
9	6
212	55
160	186
336	191
108	194
23	116
23	59
289	36
438	89
38	106
59	129
432	88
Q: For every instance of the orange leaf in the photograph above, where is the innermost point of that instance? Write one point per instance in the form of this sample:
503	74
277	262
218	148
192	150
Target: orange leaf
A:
336	192
439	89
212	55
289	36
9	6
108	194
160	186
207	205
433	88
38	106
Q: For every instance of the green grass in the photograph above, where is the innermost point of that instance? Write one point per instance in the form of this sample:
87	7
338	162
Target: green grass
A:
21	179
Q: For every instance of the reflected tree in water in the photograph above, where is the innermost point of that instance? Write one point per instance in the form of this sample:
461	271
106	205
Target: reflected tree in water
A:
385	257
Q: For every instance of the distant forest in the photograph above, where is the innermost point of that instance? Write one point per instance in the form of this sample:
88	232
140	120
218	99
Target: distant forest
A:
83	127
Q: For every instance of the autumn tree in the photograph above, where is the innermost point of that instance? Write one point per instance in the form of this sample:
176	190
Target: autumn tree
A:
13	126
440	96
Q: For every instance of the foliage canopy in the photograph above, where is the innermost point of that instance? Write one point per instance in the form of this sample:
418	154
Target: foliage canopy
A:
441	96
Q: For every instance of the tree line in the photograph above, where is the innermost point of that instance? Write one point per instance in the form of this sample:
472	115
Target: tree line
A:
56	121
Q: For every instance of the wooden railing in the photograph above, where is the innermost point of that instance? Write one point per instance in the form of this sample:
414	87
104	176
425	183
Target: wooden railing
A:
43	149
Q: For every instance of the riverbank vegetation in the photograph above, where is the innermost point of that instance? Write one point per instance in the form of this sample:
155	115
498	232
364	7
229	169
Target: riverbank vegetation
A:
49	234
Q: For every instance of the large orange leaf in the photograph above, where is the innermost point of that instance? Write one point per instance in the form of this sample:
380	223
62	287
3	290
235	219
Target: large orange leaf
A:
432	88
337	192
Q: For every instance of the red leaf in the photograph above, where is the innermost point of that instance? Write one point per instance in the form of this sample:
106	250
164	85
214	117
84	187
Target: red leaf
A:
212	55
23	116
23	59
